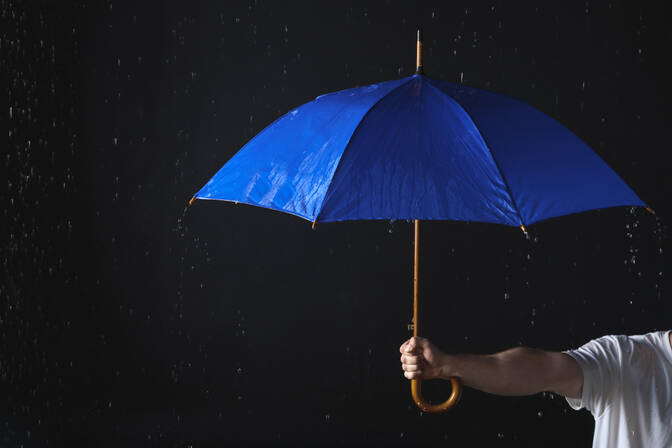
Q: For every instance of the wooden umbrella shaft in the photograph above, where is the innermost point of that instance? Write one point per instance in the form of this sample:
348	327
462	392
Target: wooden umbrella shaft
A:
416	270
416	390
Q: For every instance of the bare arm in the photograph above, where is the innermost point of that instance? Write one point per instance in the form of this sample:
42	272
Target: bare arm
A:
518	371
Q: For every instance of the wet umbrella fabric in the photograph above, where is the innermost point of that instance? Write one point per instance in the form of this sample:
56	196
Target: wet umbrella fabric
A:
419	148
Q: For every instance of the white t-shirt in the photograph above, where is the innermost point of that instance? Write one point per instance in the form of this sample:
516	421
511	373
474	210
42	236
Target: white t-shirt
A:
627	386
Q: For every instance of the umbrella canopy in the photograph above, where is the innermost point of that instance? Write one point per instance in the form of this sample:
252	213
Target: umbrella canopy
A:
419	148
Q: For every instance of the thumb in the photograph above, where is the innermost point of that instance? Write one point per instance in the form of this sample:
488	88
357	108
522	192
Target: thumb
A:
412	344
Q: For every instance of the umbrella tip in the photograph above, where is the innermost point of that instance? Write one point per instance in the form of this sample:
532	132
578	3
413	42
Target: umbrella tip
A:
523	228
650	210
418	54
191	201
314	224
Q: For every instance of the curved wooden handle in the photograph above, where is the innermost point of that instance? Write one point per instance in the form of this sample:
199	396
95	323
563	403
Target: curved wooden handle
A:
441	407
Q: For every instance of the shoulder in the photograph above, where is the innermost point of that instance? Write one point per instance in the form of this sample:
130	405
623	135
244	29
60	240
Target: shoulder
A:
658	339
609	347
650	347
615	351
601	362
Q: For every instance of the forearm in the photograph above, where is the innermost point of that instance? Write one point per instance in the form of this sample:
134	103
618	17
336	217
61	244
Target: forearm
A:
518	371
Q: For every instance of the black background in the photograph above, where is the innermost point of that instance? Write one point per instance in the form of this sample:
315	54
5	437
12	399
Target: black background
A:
128	320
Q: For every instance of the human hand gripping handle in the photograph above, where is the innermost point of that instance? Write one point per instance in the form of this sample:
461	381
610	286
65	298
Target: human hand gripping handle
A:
420	359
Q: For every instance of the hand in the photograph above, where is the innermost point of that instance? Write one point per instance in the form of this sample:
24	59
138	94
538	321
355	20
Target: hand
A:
420	359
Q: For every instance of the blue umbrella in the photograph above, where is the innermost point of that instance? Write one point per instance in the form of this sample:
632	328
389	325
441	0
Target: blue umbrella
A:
422	149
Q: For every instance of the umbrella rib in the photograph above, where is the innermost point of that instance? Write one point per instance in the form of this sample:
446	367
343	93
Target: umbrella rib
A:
338	164
487	145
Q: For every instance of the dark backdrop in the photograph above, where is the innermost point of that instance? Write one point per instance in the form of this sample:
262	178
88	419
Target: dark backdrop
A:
128	320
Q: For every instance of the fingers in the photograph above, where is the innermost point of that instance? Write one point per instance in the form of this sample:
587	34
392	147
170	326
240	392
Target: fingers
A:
412	371
413	375
411	359
412	365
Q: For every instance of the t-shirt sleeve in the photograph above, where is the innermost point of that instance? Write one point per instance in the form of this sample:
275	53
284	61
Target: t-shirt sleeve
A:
600	361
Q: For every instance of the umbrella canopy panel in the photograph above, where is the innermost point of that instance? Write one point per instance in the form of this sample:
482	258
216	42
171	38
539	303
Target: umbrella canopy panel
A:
289	165
418	148
549	170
